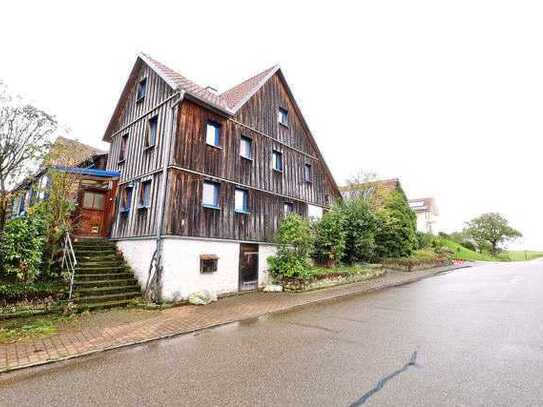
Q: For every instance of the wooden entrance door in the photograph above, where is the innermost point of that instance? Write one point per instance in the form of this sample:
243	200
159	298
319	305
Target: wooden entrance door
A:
91	213
248	267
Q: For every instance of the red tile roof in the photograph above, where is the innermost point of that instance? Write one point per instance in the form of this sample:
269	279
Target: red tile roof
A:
236	96
230	101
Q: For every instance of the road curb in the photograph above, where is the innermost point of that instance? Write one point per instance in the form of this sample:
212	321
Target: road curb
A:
213	325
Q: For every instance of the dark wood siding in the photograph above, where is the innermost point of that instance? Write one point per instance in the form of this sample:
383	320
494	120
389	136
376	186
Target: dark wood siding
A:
187	217
192	152
138	222
260	112
132	121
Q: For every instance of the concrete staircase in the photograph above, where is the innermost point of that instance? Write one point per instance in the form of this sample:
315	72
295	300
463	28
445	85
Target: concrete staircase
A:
102	278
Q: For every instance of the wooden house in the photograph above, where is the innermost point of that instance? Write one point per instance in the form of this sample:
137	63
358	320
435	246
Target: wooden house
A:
209	175
93	187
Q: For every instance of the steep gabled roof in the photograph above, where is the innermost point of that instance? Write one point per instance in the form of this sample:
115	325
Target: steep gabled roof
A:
239	94
229	102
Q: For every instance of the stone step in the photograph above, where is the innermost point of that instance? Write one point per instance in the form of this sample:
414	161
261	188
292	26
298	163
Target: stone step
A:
103	276
95	283
95	292
100	264
103	305
94	252
94	299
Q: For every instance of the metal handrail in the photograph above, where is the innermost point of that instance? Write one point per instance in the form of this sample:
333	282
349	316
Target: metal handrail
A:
69	260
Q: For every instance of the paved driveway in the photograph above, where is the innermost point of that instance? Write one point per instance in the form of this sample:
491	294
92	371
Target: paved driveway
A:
472	337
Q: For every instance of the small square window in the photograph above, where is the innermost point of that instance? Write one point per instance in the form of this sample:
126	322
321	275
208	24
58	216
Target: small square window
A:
208	263
126	200
282	116
246	147
213	134
210	195
308	173
277	160
241	201
288	208
142	90
124	145
144	200
151	132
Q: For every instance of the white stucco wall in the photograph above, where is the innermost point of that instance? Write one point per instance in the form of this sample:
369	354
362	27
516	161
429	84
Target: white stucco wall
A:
138	255
314	211
264	251
181	265
181	260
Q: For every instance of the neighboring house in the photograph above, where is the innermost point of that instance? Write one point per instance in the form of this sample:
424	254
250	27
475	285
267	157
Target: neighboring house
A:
427	214
210	176
371	190
94	189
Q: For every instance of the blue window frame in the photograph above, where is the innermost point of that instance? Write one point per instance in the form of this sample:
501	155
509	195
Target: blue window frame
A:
144	200
277	160
246	147
124	145
241	200
142	90
308	173
282	116
126	200
213	134
152	131
211	194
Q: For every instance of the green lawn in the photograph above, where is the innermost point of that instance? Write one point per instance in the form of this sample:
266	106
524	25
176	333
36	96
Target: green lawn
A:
461	253
520	255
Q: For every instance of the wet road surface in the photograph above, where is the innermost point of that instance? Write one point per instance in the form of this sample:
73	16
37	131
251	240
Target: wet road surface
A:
472	337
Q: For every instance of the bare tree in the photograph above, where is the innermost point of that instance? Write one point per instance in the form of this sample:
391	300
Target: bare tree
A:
25	133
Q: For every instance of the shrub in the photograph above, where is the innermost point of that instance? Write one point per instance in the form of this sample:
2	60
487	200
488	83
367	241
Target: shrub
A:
425	240
295	241
329	238
22	247
396	231
359	223
425	258
13	292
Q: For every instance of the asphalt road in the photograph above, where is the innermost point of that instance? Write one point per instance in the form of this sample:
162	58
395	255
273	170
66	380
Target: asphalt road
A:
472	337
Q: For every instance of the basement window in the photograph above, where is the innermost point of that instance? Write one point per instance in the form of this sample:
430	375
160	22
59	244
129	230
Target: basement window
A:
208	263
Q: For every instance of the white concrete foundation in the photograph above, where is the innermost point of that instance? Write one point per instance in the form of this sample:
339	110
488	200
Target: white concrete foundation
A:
181	265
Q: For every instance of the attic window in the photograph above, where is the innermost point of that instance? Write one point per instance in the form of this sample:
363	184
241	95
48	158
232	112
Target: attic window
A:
282	116
308	173
142	90
151	132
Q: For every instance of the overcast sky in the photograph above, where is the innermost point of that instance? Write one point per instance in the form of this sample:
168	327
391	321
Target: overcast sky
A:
447	96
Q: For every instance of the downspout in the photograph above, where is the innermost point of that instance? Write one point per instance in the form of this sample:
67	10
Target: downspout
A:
162	200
